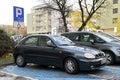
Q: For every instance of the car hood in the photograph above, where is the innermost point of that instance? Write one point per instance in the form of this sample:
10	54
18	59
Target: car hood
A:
115	43
82	49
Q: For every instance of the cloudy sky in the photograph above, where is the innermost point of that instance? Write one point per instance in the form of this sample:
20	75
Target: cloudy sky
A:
6	9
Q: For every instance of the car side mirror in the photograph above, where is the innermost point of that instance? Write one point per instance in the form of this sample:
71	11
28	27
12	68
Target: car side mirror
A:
50	44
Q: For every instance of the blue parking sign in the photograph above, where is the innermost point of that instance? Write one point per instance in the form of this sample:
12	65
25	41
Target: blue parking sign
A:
18	14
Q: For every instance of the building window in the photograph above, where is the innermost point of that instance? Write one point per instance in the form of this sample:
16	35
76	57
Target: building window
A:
38	21
33	28
38	28
115	10
33	17
33	23
60	20
115	20
115	1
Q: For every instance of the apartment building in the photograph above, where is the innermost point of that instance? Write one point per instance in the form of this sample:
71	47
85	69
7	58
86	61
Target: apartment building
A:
109	16
42	20
38	21
56	23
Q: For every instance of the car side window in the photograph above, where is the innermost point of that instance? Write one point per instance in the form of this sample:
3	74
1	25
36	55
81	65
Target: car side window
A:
73	37
43	41
85	37
32	41
98	39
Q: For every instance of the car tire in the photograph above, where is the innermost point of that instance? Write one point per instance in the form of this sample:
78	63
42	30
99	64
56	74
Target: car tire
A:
110	57
20	61
71	66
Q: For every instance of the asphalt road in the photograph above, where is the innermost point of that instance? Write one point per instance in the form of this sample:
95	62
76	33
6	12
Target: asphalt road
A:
44	73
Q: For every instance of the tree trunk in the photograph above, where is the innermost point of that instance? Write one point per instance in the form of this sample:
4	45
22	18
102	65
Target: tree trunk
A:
84	23
82	27
65	24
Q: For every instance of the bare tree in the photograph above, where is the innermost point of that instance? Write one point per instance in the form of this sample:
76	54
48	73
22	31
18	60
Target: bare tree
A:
89	8
62	7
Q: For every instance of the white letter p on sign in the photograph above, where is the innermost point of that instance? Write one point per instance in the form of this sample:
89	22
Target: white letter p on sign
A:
18	12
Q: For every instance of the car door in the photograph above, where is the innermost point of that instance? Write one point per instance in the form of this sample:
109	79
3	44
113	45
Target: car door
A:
48	55
85	39
99	43
91	40
29	48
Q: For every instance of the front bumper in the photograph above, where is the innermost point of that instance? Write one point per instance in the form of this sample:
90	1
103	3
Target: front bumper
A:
86	64
117	59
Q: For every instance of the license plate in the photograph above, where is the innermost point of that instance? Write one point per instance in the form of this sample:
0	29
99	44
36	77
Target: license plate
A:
103	61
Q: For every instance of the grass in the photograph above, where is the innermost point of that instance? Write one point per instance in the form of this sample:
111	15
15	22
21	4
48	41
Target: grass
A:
5	60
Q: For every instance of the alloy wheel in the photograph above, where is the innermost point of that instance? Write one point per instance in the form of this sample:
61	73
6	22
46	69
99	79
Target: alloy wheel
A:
109	59
20	61
71	66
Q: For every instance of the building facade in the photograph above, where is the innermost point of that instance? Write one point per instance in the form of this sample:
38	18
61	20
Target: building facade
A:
56	23
109	16
38	21
43	20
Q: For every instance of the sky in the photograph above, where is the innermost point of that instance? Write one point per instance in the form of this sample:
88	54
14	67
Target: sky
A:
6	9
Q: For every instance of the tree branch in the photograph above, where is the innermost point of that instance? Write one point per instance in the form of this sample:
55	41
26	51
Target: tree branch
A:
86	7
96	4
81	8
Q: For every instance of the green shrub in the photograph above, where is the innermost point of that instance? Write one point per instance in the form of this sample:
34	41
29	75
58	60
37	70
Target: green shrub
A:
6	44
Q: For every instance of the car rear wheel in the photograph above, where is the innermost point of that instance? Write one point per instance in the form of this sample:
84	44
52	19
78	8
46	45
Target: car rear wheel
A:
110	57
20	61
71	66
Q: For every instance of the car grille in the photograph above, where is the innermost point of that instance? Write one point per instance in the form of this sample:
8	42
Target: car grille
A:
100	55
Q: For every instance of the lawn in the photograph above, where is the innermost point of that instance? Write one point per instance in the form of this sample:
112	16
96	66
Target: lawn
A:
5	60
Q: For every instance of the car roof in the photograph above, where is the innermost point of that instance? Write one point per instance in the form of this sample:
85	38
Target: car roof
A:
48	35
82	32
76	32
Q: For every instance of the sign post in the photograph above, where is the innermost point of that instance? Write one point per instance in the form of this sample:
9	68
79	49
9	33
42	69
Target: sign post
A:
18	14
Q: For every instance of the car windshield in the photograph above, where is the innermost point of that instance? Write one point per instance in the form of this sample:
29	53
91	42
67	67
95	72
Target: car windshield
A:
63	41
107	37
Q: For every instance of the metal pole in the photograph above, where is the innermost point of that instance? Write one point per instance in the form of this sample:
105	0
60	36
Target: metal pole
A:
18	26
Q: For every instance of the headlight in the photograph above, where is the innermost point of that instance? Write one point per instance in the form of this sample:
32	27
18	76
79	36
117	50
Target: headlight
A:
118	49
88	55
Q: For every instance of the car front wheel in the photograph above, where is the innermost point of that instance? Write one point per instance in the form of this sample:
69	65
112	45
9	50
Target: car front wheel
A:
71	66
20	61
110	58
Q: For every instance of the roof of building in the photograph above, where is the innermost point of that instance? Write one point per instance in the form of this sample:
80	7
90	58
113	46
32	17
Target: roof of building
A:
39	6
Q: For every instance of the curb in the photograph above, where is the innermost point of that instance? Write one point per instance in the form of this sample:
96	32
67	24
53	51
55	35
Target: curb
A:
16	77
12	63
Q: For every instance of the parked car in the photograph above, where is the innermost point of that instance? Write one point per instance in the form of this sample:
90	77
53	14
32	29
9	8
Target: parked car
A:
57	51
115	36
99	40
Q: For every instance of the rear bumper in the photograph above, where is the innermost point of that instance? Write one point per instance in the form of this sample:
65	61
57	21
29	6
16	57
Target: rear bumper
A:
92	64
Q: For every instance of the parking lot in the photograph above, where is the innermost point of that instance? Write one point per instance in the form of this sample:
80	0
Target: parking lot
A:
45	73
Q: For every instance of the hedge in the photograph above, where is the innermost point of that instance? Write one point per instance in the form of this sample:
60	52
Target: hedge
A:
6	43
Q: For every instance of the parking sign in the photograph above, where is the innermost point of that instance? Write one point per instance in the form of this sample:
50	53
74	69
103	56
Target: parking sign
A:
18	17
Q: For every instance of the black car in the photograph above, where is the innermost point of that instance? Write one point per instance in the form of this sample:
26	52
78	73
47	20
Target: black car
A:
99	40
58	51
